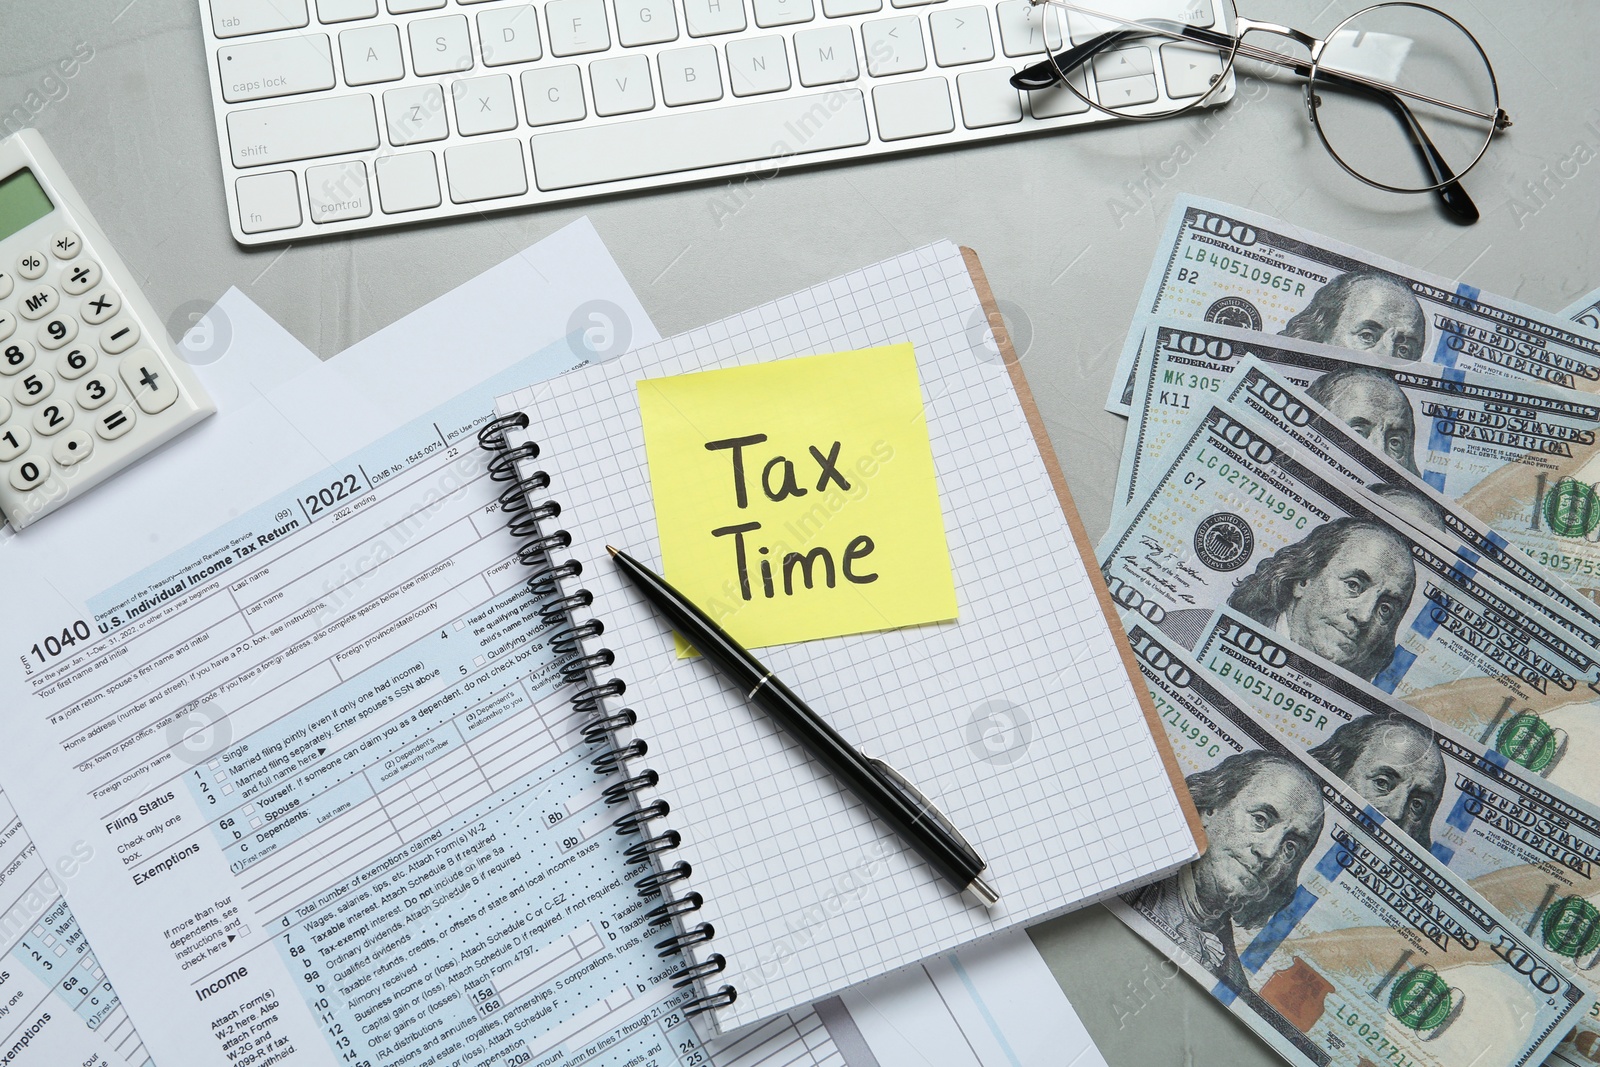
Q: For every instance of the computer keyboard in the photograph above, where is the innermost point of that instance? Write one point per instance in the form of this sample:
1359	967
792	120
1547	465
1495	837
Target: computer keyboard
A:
343	115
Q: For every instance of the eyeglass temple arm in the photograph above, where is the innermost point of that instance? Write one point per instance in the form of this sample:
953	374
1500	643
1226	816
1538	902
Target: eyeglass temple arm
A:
1451	194
1045	73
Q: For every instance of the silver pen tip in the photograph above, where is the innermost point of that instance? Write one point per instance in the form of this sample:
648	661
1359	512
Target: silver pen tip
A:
984	892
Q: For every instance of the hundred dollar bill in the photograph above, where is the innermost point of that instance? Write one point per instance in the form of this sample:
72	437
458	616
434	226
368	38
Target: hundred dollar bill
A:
1228	265
1331	933
1262	391
1483	806
1521	457
1243	518
1586	312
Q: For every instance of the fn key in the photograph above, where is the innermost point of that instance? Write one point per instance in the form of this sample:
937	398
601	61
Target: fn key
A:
148	379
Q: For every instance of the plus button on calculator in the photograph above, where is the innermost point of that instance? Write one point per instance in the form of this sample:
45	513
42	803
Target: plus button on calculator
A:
88	381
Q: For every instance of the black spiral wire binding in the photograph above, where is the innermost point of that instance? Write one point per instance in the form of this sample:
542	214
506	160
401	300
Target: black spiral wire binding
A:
526	520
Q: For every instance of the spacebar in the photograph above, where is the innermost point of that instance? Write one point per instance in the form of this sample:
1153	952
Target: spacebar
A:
588	155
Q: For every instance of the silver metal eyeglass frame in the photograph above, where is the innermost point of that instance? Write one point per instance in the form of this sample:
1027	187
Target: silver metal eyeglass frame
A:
1447	181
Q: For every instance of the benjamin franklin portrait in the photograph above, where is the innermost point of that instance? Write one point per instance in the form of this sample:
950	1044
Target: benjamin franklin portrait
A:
1366	311
1262	814
1369	402
1341	593
1394	764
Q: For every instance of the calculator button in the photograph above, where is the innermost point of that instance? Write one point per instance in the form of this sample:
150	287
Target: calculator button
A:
93	392
149	381
33	387
65	245
39	302
30	473
74	447
81	278
53	333
16	357
51	419
31	265
5	410
6	284
8	324
13	443
119	336
75	362
100	306
113	424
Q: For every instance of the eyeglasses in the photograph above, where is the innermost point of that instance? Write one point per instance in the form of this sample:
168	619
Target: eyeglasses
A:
1401	94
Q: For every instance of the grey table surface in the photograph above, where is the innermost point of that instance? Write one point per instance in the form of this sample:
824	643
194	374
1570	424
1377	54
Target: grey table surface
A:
1065	225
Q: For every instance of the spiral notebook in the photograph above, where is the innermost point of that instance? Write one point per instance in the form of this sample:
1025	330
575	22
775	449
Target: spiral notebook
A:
1020	718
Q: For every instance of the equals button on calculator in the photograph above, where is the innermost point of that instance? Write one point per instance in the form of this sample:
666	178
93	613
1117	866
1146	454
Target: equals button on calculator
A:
88	380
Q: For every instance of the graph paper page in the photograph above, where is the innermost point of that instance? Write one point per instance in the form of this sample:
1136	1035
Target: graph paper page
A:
1018	719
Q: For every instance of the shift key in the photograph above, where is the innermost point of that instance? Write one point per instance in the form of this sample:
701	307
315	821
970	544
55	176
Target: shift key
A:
281	133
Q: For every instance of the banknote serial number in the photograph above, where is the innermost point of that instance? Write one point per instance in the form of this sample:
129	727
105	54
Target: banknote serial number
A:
1239	268
1560	561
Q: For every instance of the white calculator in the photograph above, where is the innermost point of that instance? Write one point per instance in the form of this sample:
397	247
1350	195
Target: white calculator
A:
88	380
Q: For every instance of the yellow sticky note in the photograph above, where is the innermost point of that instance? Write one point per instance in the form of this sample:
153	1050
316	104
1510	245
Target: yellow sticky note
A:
796	498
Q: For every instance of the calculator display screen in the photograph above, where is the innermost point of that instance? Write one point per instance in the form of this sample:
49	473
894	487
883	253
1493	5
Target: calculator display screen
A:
22	201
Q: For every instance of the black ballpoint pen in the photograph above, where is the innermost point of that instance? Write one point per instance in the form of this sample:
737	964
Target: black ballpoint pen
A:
881	787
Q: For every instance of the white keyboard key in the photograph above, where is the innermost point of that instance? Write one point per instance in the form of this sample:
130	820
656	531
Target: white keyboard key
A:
440	46
52	418
282	67
839	8
914	3
706	18
1123	63
14	441
770	13
81	278
53	333
577	27
1189	71
345	10
405	7
73	448
894	46
148	379
30	473
32	265
1125	91
408	182
826	56
553	94
622	85
16	356
687	140
1058	100
485	105
1021	32
235	18
371	54
95	392
758	65
64	245
646	22
266	202
100	306
961	35
33	387
331	125
415	113
335	192
509	35
120	334
486	170
913	108
689	75
75	362
38	302
113	424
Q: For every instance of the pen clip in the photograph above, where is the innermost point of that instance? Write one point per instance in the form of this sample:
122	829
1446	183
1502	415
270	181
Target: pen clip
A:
926	809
